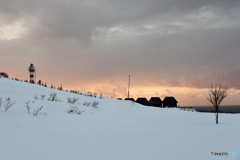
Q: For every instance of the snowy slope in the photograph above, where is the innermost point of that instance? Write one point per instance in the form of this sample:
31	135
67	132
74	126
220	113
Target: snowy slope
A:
116	130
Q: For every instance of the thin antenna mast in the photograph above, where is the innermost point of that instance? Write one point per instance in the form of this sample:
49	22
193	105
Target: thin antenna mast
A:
129	79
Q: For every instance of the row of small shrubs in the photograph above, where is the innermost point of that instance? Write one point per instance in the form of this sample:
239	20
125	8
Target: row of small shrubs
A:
7	103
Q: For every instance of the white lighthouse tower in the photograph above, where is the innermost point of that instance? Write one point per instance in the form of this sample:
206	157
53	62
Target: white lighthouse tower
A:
32	73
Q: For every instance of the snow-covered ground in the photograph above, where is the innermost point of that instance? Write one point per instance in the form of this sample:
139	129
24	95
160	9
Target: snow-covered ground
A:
114	130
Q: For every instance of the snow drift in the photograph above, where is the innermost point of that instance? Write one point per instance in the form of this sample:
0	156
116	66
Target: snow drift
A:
112	130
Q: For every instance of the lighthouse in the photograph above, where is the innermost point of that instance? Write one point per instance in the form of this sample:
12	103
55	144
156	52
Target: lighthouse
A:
32	73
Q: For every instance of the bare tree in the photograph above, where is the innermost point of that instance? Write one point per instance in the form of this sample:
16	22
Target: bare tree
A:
217	92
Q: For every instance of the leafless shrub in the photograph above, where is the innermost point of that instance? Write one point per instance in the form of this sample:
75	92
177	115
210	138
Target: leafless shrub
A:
37	110
74	110
42	97
95	104
72	100
87	104
36	98
52	97
133	103
28	106
7	103
89	94
33	109
0	102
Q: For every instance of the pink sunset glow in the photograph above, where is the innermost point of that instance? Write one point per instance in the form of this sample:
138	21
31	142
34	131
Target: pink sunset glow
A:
170	48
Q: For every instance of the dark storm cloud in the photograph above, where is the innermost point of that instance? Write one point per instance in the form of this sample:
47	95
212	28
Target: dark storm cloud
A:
174	42
77	19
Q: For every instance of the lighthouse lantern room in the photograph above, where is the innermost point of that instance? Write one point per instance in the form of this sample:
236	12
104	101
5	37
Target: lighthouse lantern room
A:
32	73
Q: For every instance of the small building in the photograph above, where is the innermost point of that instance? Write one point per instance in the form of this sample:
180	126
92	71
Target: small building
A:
155	102
170	102
3	74
129	99
142	101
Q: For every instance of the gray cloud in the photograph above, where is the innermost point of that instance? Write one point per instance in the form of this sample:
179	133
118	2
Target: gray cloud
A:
168	42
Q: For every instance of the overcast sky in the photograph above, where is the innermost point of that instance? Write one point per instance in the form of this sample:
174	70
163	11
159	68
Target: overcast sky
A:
170	47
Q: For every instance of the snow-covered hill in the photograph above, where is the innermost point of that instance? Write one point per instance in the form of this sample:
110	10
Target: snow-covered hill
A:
111	130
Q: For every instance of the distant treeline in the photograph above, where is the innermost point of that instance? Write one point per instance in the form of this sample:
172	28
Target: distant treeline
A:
222	109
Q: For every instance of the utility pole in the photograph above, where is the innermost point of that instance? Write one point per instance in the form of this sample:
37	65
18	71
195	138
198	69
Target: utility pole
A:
129	79
114	93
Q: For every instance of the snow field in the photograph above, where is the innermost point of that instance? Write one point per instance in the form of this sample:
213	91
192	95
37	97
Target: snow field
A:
115	130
